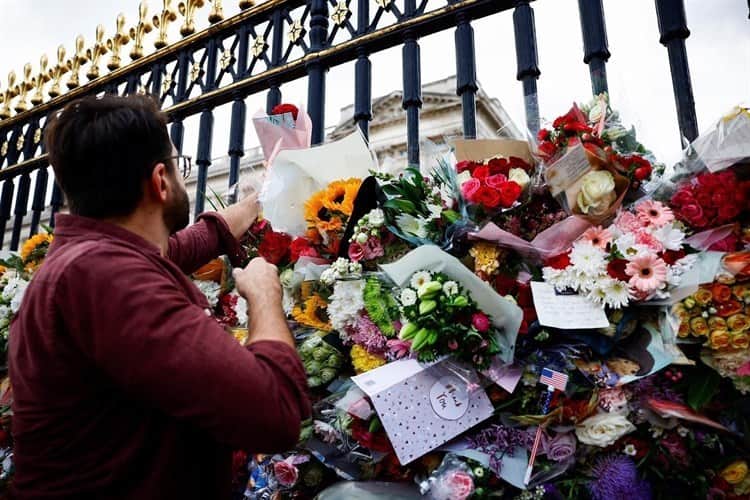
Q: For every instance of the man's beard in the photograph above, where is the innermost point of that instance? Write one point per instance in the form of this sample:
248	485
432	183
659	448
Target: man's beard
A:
177	212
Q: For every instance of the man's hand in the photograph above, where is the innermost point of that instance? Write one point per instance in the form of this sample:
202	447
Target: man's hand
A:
240	216
259	284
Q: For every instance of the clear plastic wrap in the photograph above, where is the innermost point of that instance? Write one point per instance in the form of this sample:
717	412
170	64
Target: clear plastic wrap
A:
453	480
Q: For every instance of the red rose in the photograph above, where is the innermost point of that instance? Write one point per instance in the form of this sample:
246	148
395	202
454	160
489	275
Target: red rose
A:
693	214
498	166
509	193
481	172
672	256
515	162
487	197
275	247
559	262
573	116
524	297
709	181
300	247
286	473
728	212
375	441
542	135
704	198
616	269
547	150
496	181
465	165
683	196
480	322
280	109
504	285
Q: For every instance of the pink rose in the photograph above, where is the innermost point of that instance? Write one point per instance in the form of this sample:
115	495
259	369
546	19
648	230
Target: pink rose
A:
496	181
373	249
480	321
286	473
744	370
470	188
356	252
454	485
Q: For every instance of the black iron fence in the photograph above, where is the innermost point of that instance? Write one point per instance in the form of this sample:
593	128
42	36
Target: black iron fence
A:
260	49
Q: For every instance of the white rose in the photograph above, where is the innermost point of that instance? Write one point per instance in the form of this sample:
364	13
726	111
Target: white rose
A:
603	429
519	176
597	192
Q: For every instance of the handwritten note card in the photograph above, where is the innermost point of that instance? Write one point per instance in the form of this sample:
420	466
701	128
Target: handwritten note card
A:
564	173
566	311
422	408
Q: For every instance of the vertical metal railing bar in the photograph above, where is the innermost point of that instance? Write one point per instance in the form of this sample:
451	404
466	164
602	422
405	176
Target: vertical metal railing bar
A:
205	133
316	72
6	198
24	186
527	61
38	202
363	74
273	98
412	75
673	29
177	130
595	47
239	117
466	73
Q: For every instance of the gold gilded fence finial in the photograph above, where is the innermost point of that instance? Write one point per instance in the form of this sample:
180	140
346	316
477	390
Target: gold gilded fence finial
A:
39	81
23	88
58	72
8	95
188	10
79	59
117	42
162	21
217	12
96	52
246	4
138	33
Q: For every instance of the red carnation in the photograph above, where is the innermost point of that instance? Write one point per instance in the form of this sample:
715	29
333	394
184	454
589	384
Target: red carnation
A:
275	247
616	269
280	109
559	262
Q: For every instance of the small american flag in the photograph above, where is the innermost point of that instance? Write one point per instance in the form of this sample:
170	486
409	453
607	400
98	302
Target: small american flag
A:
555	379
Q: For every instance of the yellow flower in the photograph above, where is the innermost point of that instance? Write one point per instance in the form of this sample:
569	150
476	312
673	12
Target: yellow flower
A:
741	341
2	270
313	313
699	327
703	296
340	195
363	361
719	339
735	472
485	257
717	323
738	323
36	242
328	209
240	335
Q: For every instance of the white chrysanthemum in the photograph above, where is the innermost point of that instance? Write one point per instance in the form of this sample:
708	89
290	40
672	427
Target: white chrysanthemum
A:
616	293
240	309
340	266
355	268
346	302
587	258
558	278
328	277
420	278
376	218
450	288
670	237
211	290
597	294
408	297
629	248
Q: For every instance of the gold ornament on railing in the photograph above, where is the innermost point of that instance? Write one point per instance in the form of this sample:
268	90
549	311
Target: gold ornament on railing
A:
138	33
246	4
75	63
95	53
42	78
58	72
188	10
217	12
23	88
117	42
8	95
162	21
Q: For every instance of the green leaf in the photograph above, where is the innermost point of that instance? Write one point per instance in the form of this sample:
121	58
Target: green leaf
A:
703	388
402	205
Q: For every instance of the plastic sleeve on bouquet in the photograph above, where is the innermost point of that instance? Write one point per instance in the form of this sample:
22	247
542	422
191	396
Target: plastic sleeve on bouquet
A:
279	132
728	141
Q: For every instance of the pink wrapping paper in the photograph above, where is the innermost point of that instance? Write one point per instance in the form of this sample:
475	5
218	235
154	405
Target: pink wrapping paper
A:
550	242
704	240
273	138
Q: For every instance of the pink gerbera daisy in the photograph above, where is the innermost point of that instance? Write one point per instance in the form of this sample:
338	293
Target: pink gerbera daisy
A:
597	236
647	273
654	213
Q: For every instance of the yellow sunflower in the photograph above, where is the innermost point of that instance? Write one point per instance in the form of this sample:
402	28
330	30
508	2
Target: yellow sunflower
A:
328	209
313	313
340	195
34	250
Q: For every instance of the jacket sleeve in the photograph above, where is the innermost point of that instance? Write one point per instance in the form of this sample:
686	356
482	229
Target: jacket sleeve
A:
205	240
139	327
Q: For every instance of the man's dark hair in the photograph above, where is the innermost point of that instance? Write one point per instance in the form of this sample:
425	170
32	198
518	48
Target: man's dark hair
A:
103	148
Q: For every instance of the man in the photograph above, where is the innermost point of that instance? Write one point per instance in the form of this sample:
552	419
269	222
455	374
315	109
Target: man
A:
124	385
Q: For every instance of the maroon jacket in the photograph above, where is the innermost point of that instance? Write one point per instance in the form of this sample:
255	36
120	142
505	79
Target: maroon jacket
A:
125	387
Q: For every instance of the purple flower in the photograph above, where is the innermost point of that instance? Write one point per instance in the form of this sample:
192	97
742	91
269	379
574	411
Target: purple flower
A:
368	335
373	248
615	477
560	447
498	441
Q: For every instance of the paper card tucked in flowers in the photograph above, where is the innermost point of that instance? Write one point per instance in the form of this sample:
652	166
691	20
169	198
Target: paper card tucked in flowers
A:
422	408
282	131
566	311
504	314
728	142
295	175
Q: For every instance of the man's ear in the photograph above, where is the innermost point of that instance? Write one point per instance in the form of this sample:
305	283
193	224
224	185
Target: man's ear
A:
157	184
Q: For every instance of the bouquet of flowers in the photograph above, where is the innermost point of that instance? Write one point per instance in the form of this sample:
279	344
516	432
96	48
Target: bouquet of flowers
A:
640	257
443	320
711	200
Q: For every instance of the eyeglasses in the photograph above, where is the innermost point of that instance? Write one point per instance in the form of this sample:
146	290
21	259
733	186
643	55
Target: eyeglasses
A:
184	164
